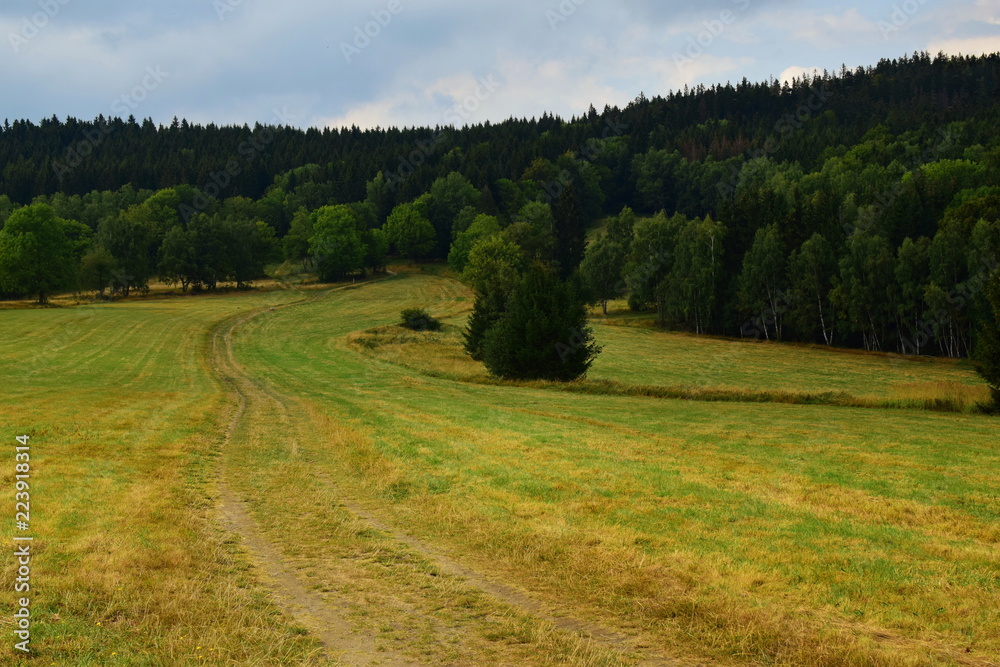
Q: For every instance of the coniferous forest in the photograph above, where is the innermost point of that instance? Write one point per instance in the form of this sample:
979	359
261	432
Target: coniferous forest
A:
860	208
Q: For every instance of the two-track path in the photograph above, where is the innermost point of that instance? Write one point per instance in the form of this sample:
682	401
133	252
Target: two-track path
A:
324	614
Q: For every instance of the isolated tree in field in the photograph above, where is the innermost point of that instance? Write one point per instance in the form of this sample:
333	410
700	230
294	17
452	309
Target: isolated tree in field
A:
36	253
987	354
761	289
410	232
543	333
811	271
336	245
419	319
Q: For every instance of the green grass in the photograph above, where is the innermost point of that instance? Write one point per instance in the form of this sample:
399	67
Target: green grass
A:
774	533
642	362
651	357
129	568
745	533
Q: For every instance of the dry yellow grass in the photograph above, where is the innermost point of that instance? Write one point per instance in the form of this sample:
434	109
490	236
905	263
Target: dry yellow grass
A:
726	532
747	533
130	566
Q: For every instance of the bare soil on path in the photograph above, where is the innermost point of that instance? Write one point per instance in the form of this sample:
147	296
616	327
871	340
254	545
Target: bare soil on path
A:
325	615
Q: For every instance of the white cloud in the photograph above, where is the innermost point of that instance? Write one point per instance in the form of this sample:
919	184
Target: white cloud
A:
968	46
796	72
431	56
826	29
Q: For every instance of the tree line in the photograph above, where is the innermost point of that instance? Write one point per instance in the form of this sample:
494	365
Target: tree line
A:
855	208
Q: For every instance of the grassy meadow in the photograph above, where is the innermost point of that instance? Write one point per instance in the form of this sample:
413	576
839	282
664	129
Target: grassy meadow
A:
129	567
455	520
641	360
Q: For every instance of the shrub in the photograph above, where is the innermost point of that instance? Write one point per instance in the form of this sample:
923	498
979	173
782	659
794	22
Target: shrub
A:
418	319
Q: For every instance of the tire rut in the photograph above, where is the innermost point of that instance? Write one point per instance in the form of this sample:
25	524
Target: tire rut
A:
314	612
323	618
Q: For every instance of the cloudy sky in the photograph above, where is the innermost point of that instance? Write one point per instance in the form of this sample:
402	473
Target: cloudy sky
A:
429	62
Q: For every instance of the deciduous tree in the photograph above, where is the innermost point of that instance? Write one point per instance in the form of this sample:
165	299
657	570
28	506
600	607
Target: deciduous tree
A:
36	253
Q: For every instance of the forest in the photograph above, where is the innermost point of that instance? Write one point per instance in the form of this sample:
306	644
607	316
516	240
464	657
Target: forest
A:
859	208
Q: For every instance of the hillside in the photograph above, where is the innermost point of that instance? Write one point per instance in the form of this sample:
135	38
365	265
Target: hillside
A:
858	209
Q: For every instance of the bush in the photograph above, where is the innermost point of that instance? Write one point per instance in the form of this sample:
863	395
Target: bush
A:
418	320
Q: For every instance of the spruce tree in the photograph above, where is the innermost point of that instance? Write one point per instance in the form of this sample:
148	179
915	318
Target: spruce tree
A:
543	333
486	312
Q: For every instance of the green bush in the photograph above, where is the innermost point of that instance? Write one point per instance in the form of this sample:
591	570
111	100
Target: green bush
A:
418	319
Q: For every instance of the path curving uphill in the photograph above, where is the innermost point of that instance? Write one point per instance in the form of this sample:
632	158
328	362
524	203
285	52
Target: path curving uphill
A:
259	409
319	614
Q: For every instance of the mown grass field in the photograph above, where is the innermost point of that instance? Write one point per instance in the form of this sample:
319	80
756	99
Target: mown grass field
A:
709	532
639	359
129	568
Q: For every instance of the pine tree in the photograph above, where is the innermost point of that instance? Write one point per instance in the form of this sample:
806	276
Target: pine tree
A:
486	312
543	334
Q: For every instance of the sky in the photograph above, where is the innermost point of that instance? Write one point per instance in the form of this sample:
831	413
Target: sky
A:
404	63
